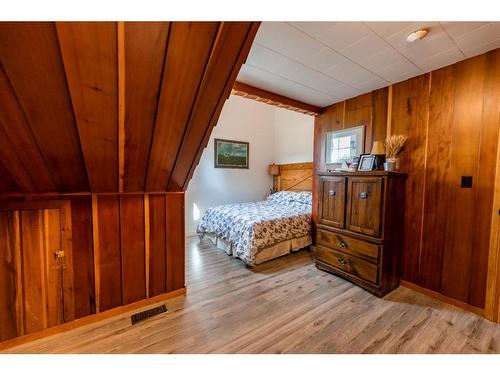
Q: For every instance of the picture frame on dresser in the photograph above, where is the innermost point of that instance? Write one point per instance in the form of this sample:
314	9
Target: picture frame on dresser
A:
367	163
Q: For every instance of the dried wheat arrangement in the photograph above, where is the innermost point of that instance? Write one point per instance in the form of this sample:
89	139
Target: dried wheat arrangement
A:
394	144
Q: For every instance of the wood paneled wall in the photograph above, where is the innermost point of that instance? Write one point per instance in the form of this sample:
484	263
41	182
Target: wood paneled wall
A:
451	118
125	248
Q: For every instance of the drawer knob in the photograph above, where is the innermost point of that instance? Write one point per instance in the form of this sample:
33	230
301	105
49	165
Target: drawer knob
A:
363	195
343	244
332	193
342	261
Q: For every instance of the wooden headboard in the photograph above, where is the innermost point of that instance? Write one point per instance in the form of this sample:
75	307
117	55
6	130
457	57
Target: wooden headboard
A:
294	177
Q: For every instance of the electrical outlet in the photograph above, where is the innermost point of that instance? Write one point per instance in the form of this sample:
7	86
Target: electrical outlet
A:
466	182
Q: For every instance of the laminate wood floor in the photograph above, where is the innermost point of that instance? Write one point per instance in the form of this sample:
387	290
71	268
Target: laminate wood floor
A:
283	306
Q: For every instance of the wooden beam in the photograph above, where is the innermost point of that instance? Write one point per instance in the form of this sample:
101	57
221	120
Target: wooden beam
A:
254	93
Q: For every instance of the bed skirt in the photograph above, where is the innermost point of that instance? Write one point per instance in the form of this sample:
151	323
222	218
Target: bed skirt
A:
268	253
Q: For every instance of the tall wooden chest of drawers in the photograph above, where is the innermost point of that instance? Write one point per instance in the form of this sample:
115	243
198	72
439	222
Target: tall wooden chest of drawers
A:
360	227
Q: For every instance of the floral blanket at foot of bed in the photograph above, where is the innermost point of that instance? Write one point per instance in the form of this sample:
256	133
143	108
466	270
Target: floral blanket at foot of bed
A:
251	227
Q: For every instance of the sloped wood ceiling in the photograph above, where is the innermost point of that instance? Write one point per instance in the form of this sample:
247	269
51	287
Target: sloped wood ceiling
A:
112	106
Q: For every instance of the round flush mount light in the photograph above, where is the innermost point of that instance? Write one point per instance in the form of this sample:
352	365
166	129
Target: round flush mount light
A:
416	35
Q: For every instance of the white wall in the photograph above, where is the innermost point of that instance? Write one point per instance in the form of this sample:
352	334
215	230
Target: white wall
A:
275	135
294	137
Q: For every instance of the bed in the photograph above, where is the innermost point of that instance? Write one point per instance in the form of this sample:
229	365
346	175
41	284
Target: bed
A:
256	232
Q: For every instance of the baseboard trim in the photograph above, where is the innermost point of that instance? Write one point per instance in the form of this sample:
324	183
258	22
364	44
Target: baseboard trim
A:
442	297
90	319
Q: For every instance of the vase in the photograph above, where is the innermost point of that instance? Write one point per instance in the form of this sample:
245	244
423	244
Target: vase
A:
391	164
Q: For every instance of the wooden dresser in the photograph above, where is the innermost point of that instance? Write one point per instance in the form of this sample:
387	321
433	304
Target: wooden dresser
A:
360	227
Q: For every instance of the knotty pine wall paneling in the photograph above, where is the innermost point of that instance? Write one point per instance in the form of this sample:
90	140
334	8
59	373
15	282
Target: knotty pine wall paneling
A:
109	267
83	255
133	261
157	245
410	108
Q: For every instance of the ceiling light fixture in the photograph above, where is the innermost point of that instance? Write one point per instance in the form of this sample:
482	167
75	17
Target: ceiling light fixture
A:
416	35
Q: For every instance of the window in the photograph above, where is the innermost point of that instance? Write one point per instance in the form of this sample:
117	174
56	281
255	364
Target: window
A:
344	145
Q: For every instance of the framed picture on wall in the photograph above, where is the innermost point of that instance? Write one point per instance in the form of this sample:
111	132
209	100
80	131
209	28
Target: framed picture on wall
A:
230	154
343	145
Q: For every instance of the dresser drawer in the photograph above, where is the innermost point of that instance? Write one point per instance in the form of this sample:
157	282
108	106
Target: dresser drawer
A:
348	244
347	263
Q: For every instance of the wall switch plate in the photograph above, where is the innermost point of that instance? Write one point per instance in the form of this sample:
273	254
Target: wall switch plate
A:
466	182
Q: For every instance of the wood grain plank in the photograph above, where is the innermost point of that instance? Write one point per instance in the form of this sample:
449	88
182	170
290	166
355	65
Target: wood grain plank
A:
133	259
145	47
30	55
147	241
410	103
175	241
379	114
110	283
121	103
158	247
466	135
68	277
9	287
83	256
53	266
230	38
7	184
33	265
358	111
89	52
484	193
18	148
437	178
189	46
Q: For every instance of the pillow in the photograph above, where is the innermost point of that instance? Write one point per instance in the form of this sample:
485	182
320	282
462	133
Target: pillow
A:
281	197
302	197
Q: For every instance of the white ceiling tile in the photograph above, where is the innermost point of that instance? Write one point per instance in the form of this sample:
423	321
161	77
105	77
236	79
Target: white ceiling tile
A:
336	35
373	84
365	47
325	83
399	71
482	48
440	60
456	29
349	71
323	59
386	29
270	82
283	38
479	37
275	63
382	59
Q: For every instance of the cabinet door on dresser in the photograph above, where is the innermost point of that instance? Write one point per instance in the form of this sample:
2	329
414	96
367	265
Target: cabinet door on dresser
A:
364	205
332	201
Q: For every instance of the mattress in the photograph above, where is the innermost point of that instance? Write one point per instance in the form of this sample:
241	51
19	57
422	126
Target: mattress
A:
252	231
